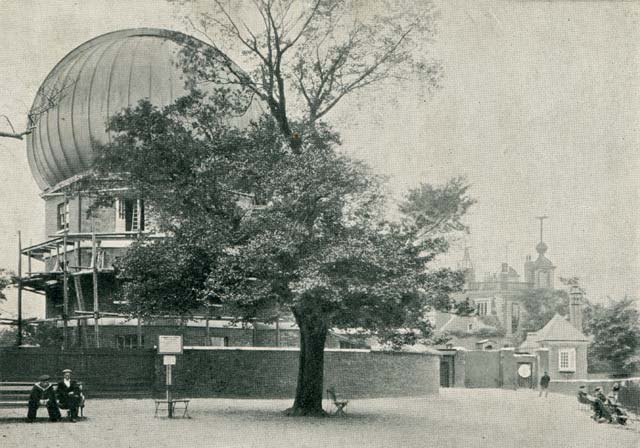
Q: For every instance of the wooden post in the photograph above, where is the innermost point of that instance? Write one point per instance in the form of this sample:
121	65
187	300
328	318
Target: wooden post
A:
19	335
139	328
65	279
207	334
81	323
96	306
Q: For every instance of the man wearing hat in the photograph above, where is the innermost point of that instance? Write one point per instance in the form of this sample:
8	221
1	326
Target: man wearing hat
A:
43	390
69	394
599	410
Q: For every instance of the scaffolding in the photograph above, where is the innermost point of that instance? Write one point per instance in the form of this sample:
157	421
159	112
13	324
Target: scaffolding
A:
58	248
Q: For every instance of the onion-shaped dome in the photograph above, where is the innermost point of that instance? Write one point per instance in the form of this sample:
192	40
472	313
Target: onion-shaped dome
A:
94	82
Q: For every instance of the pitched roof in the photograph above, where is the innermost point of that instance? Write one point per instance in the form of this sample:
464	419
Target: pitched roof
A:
531	342
461	324
559	329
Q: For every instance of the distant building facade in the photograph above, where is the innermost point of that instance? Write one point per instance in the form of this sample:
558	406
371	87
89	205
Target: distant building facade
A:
499	294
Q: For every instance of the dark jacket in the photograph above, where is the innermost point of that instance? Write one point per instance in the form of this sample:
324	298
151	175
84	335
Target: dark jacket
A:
68	395
545	380
39	392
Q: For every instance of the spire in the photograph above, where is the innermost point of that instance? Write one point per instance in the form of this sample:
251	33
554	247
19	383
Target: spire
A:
466	266
541	247
543	267
466	260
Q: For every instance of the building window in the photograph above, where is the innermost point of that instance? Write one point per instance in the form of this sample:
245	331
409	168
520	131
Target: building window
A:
63	216
482	308
567	360
127	341
219	341
129	215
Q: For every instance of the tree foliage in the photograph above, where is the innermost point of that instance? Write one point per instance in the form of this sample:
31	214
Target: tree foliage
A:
43	335
6	279
540	305
263	232
615	329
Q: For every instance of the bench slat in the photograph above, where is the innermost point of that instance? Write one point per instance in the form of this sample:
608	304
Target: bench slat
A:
15	388
14	404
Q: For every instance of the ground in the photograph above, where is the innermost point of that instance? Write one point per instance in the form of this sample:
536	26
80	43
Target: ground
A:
454	418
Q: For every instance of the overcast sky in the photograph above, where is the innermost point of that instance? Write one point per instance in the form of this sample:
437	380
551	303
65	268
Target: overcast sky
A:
539	109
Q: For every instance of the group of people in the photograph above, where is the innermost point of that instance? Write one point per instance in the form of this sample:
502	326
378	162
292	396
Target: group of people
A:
605	407
67	395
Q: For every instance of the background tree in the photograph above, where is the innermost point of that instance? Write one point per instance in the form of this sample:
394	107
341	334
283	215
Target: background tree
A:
44	334
5	281
615	329
539	306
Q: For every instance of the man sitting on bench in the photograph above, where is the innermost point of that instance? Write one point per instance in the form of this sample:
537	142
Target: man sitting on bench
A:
69	395
43	390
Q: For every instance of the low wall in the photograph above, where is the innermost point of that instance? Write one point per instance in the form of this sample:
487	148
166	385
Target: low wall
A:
272	373
104	371
227	372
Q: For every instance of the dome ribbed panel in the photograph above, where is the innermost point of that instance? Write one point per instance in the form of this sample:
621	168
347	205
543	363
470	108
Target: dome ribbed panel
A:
97	80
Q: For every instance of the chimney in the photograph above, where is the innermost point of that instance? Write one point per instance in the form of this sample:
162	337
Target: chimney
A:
575	307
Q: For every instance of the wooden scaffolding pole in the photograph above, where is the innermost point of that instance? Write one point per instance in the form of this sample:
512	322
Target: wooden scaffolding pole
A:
139	332
65	277
96	306
19	335
81	325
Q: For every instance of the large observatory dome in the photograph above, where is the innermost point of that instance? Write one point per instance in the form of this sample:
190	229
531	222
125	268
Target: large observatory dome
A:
92	83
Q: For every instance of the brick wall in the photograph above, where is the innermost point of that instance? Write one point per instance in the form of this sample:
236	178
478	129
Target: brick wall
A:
272	373
104	372
230	372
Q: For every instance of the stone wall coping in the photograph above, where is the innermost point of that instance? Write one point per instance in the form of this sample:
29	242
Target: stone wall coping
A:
602	380
296	349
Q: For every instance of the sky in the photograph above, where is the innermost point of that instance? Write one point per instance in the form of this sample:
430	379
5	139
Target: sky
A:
539	108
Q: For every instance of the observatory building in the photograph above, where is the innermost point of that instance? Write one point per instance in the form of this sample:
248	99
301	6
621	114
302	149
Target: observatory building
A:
73	266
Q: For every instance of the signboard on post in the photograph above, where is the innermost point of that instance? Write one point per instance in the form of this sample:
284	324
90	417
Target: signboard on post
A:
170	345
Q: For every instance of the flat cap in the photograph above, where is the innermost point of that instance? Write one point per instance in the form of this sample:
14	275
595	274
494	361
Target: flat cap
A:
43	377
67	371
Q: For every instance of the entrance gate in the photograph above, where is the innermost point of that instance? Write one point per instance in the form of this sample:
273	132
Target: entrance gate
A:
446	371
525	375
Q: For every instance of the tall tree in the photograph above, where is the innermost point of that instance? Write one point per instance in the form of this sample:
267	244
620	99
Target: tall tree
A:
313	240
263	232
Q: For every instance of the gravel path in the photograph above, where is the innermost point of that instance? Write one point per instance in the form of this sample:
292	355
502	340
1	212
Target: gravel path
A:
454	418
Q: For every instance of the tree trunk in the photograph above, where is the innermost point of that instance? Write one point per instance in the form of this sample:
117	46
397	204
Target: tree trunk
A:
313	334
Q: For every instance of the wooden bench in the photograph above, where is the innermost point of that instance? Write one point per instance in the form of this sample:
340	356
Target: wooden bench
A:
15	394
338	404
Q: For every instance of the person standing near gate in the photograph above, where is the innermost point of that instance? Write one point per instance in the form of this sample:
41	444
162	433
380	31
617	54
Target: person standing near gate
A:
43	390
69	395
544	384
